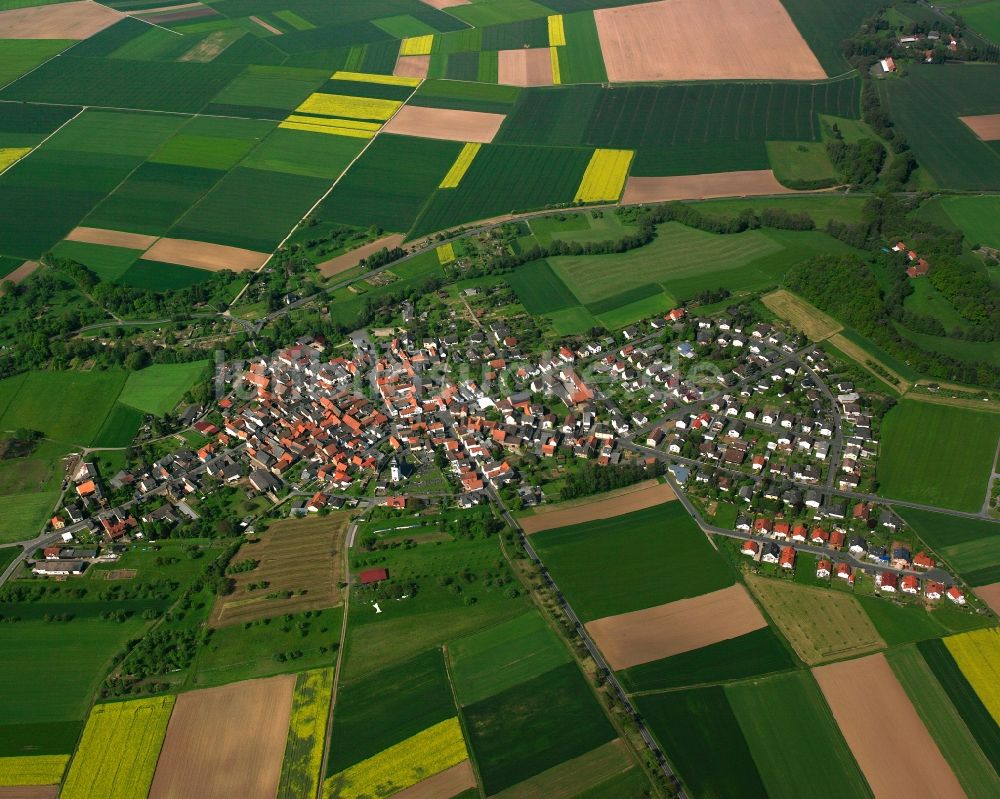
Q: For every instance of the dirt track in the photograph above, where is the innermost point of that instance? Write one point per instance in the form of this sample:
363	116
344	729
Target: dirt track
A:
113	238
654	633
704	40
449	782
66	21
226	742
350	259
412	66
638	497
890	742
985	126
702	187
203	255
445	123
528	67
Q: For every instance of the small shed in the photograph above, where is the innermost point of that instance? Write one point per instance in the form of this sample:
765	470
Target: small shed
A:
372	576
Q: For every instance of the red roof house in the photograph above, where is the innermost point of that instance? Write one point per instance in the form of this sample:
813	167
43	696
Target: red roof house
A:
372	576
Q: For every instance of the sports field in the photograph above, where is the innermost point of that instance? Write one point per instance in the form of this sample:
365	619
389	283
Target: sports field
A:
938	455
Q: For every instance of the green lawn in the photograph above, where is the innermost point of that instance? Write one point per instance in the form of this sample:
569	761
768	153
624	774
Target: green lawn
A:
945	724
489	662
638	560
158	388
790	708
24	515
937	455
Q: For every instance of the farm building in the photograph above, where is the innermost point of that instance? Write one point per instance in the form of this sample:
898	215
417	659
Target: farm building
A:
58	568
372	576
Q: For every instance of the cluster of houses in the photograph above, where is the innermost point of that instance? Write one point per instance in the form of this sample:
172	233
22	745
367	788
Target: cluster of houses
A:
781	538
918	266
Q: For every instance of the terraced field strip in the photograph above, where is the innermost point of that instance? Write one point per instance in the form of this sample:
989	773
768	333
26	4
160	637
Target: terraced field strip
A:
111	238
349	260
601	506
205	255
300	771
801	314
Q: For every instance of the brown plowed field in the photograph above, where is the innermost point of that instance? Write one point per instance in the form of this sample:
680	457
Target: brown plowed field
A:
890	742
445	123
439	4
990	594
603	506
226	742
113	238
528	67
266	26
350	259
704	40
66	21
442	785
412	66
22	272
702	187
303	556
641	636
985	126
203	255
29	791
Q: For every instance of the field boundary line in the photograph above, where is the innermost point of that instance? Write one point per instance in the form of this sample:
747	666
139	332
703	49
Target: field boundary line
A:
53	133
325	194
461	722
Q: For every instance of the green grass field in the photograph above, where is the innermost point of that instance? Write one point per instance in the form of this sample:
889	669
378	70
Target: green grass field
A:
963	696
750	655
120	426
534	725
984	18
540	289
945	724
581	60
975	216
108	263
790	708
824	27
18	56
926	104
158	276
158	389
971	546
388	706
300	153
796	162
599	565
703	740
489	662
938	455
466	96
903	624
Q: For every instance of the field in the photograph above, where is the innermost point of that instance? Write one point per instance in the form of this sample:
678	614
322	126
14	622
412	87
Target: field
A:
984	18
702	187
22	55
643	636
977	654
387	707
896	754
904	623
976	217
600	506
605	176
755	653
489	662
963	696
825	27
300	771
129	732
971	767
703	740
569	779
639	45
794	162
819	624
158	389
445	123
807	318
31	770
528	728
407	763
596	564
226	741
790	708
926	106
287	587
937	455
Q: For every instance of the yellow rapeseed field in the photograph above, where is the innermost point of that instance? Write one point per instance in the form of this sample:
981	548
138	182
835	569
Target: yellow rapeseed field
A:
306	735
605	176
557	33
8	155
454	176
338	127
978	656
32	769
417	45
370	77
554	58
446	253
425	754
331	130
116	733
342	105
